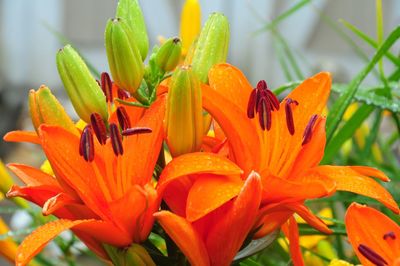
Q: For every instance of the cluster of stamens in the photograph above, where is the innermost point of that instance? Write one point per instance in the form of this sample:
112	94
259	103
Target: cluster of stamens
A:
263	102
113	132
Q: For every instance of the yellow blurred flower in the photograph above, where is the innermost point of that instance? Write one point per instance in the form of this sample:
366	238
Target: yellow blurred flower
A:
190	23
8	247
336	262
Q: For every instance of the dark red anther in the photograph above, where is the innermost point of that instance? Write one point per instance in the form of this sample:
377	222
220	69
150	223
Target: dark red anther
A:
251	106
262	85
123	94
273	99
86	145
289	115
308	130
106	86
371	255
136	131
116	139
99	128
123	118
264	114
388	235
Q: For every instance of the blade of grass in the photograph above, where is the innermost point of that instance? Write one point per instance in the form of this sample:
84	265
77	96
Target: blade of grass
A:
282	61
395	60
338	109
346	132
283	16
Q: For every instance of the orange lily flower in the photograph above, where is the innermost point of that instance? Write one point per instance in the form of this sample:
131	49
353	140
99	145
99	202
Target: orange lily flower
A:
102	188
373	235
284	145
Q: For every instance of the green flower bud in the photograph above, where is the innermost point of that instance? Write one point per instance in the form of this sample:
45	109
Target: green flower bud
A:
46	109
130	11
211	47
123	55
184	114
167	57
83	90
134	255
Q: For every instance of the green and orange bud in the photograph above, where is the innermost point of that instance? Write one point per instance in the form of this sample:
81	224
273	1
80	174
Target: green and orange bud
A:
168	56
211	47
46	109
134	255
123	55
184	115
190	24
83	90
130	12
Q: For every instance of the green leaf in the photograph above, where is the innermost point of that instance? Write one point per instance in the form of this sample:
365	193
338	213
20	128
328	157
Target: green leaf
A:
283	16
346	132
368	96
340	106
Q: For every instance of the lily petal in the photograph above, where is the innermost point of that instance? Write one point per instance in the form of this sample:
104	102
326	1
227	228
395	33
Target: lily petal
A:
236	224
58	201
353	180
209	192
196	163
291	231
35	242
32	176
185	237
368	226
22	136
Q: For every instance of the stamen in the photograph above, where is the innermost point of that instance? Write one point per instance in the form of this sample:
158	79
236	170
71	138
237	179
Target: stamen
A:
390	234
106	86
289	115
308	130
86	145
123	118
116	139
264	114
136	131
123	94
252	104
99	128
371	255
262	101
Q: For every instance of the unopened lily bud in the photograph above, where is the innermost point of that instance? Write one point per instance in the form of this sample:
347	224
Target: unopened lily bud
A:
134	255
167	57
184	119
83	90
212	46
123	55
130	11
46	109
190	23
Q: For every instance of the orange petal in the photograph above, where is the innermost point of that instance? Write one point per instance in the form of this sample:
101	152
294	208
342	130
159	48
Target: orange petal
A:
57	202
309	217
22	136
238	128
32	176
209	192
311	96
176	193
311	153
227	236
196	163
143	149
62	150
128	209
272	221
368	226
35	242
353	180
291	231
185	237
276	189
37	194
230	82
